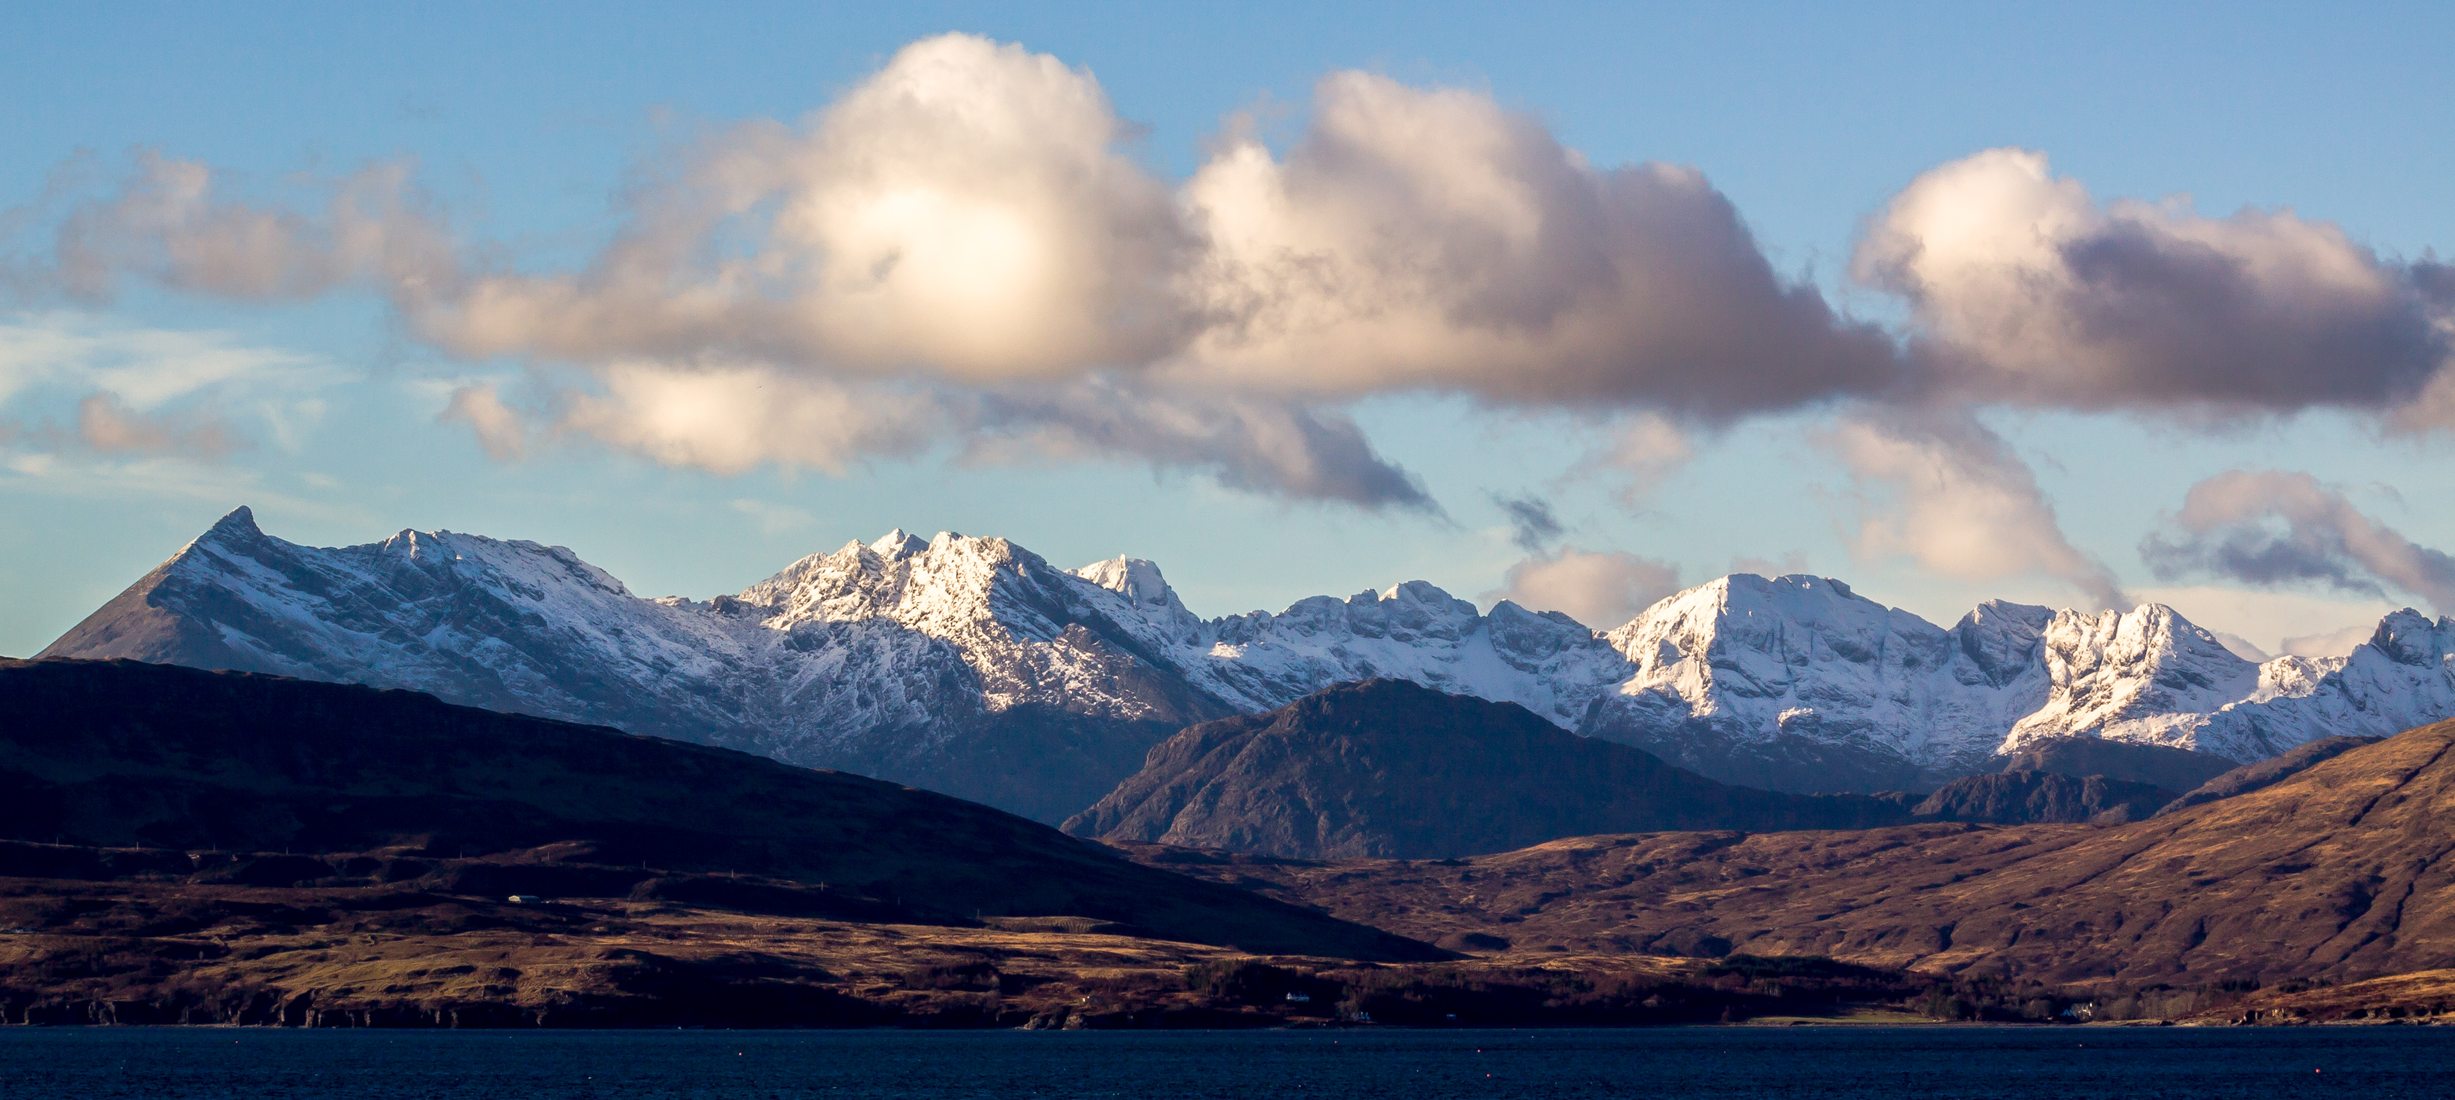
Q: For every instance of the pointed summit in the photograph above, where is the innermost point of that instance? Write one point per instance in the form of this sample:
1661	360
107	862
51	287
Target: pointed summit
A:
239	525
898	543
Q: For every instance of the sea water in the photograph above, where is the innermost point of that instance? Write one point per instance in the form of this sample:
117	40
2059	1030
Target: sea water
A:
1999	1063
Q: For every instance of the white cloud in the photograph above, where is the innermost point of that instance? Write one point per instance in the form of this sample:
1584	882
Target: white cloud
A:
499	430
1599	588
1949	494
730	419
1646	449
2331	643
961	254
965	211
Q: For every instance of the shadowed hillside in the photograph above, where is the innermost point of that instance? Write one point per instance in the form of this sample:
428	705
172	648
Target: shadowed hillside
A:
1388	768
119	754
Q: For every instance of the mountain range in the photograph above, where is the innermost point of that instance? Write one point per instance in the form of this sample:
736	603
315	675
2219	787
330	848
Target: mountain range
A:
972	666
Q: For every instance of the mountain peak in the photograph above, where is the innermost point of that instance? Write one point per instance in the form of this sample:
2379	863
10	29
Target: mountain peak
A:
1136	579
2410	637
898	543
2148	628
238	525
1419	592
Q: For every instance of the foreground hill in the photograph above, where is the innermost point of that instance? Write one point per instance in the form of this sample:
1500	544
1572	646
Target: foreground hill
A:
179	846
119	755
2277	769
2341	871
972	666
1387	768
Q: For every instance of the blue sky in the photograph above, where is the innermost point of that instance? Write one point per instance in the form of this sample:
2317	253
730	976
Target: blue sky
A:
529	126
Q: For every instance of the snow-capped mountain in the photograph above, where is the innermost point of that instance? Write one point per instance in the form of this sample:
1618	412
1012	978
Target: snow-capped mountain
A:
1800	682
966	664
974	666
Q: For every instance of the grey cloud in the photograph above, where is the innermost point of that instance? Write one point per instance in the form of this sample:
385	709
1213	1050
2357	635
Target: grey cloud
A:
2274	528
2027	290
1532	523
1429	239
1258	445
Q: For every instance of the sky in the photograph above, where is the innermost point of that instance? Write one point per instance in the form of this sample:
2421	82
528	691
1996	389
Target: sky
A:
2082	305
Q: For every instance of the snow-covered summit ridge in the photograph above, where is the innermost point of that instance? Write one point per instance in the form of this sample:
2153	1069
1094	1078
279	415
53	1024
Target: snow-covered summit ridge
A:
874	647
1751	659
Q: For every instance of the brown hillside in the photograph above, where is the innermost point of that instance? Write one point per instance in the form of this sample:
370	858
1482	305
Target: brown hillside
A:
2339	872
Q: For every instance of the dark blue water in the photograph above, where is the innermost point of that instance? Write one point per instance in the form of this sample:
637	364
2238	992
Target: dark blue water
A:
1990	1063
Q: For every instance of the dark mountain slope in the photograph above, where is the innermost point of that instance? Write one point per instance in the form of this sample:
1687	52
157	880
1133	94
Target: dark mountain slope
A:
123	754
1388	768
2031	797
2343	871
2155	765
2251	777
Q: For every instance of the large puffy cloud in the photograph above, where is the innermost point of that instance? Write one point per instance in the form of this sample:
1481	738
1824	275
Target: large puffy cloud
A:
2025	288
1601	589
1431	240
2271	527
1948	493
958	244
966	211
